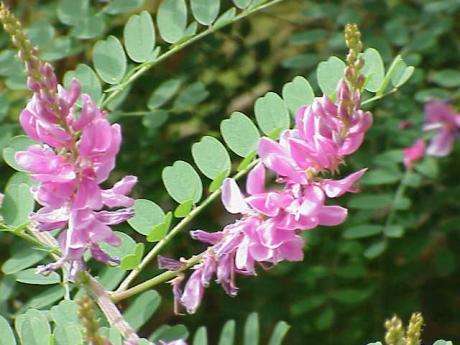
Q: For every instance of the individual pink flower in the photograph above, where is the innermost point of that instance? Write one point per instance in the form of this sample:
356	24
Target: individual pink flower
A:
414	153
442	118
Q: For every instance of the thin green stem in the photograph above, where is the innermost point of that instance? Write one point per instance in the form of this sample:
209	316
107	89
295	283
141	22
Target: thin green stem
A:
177	229
144	67
397	198
388	76
159	279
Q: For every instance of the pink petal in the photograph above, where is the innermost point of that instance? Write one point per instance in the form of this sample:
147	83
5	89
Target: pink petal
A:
232	198
336	188
332	215
255	183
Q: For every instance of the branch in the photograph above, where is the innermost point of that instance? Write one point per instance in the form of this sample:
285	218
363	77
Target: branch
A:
144	67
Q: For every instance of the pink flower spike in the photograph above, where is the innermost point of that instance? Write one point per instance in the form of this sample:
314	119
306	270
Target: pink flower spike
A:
414	153
336	188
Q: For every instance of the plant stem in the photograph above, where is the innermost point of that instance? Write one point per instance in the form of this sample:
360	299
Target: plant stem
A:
159	279
144	67
398	195
178	228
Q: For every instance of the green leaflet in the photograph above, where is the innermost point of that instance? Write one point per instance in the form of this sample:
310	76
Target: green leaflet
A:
172	20
139	35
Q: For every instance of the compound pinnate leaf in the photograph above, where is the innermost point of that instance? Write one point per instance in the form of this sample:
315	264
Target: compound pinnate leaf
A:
271	113
110	60
373	69
182	182
297	93
172	20
142	308
147	214
139	35
205	11
251	330
329	73
240	134
211	157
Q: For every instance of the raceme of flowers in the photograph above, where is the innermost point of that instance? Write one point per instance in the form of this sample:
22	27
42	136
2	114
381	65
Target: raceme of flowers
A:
76	152
441	118
269	230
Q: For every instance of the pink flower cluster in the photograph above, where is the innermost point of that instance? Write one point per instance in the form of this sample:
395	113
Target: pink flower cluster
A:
269	230
75	152
441	118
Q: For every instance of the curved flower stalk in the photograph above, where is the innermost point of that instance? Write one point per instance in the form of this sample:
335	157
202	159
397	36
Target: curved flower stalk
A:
75	153
271	223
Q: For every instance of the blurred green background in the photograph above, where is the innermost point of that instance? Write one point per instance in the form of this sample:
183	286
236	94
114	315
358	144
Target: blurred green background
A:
341	293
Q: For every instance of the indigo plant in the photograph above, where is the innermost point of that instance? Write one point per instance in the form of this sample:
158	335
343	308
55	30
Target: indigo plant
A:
74	211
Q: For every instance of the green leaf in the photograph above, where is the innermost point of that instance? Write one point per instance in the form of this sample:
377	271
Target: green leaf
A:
168	333
205	11
329	74
142	308
211	157
17	143
164	93
240	134
201	336
155	119
428	167
17	205
373	69
68	335
46	298
443	342
361	231
227	336
401	73
127	246
325	319
110	277
217	182
139	35
376	249
7	335
132	261
183	209
279	333
112	334
192	95
395	231
23	257
242	3
70	11
172	20
147	214
65	313
29	276
33	328
225	18
89	26
370	201
380	177
121	6
246	161
271	113
88	79
251	330
351	296
110	60
182	182
446	78
159	231
297	93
